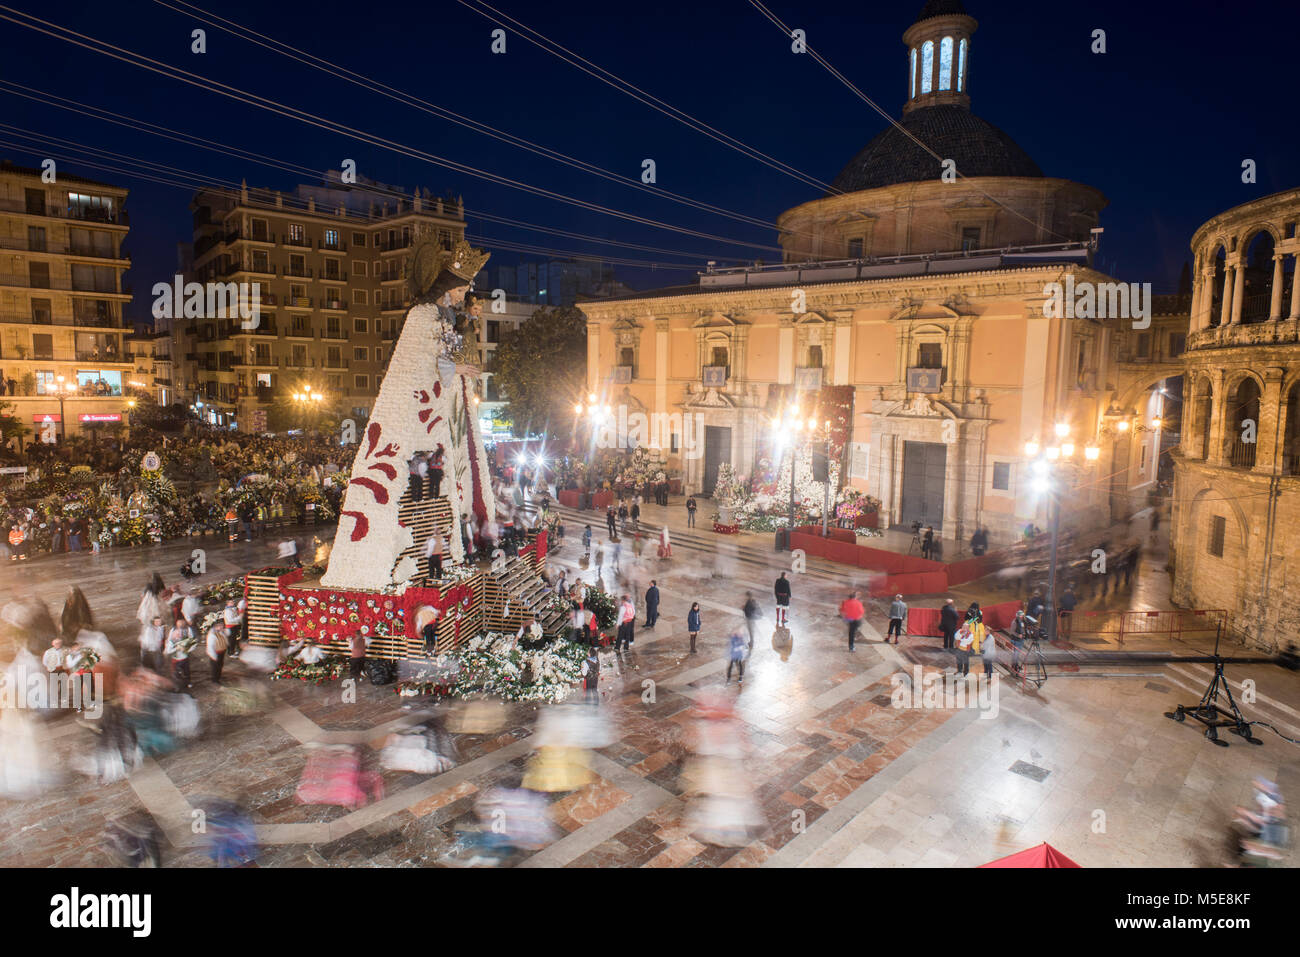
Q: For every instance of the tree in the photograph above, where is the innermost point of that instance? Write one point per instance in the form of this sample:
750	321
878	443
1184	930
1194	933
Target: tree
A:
11	427
541	368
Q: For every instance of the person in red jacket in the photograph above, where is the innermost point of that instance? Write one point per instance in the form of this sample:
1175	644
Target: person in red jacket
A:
852	612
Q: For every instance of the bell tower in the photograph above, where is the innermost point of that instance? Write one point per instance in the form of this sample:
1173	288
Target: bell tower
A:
938	56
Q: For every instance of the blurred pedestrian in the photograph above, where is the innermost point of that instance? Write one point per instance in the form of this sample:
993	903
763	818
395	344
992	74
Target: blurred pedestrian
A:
652	604
752	615
218	644
739	651
948	624
358	655
852	612
897	612
782	591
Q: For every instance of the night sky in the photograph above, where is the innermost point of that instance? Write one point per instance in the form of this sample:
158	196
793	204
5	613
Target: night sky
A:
1160	123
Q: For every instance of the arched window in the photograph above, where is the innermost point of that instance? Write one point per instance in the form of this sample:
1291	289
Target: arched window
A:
945	63
961	66
1291	445
913	72
1257	289
1243	422
927	65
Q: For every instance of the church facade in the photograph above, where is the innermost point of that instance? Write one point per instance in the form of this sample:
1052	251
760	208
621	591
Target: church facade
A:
916	288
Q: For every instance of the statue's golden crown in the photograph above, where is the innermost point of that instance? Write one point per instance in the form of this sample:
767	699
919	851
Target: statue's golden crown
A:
464	260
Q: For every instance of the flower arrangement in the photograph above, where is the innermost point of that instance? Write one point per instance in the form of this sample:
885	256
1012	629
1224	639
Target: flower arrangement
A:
220	592
328	669
494	664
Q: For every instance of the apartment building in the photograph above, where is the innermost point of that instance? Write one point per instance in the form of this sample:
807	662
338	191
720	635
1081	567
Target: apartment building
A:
63	361
330	263
493	328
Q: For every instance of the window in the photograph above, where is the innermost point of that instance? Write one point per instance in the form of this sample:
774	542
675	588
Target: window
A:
927	65
720	355
359	297
1002	476
332	270
35	201
1218	531
379	353
36	238
297	234
1142	463
358	267
929	355
299	355
264	380
444	239
1177	344
261	263
626	356
359	325
44	383
945	63
1144	345
970	238
42	345
98	208
42	314
493	330
297	266
912	71
855	249
38	275
961	66
361	354
359	239
331	239
815	357
259	230
1080	360
333	329
301	326
362	381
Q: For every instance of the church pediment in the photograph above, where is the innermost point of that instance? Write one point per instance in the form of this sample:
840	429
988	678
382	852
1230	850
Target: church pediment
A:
712	319
919	405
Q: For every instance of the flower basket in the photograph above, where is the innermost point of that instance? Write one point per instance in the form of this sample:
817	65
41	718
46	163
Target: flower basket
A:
723	528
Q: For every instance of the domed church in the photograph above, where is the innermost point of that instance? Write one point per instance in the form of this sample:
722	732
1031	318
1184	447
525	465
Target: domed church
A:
911	302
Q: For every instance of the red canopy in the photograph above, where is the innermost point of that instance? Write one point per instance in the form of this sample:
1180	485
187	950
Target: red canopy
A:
1044	855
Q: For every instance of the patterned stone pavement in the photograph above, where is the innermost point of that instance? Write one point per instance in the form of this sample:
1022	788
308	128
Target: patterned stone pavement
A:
841	776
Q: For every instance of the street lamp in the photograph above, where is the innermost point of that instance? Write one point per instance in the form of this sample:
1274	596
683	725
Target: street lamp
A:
1055	457
308	398
60	388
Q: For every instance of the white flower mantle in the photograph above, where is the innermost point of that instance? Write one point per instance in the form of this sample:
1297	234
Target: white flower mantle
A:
417	409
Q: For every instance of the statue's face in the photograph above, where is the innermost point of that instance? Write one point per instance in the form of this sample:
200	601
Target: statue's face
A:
455	296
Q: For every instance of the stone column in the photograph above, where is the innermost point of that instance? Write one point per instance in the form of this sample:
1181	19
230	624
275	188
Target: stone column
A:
1238	290
785	351
1218	407
1275	304
1197	283
593	355
1207	297
1270	417
1225	315
843	347
658	440
1295	287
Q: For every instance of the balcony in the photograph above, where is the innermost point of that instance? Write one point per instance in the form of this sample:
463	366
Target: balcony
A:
334	363
303	243
298	302
334	334
337	247
386	247
298	272
1269	332
116	218
334	277
333	304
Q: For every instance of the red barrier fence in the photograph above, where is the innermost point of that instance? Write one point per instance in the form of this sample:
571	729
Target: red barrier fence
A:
925	621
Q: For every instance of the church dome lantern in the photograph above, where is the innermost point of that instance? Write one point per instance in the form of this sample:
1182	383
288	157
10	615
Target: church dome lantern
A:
938	56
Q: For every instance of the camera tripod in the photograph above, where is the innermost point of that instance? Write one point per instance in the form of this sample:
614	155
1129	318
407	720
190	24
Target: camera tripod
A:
1208	710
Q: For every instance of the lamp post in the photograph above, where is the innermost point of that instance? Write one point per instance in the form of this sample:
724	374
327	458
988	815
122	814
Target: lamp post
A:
1057	456
308	399
789	428
60	388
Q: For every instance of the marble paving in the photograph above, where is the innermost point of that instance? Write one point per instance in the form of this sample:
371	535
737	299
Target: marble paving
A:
841	776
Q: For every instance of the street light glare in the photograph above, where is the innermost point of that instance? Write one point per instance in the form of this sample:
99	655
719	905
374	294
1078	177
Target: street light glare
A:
1053	452
1062	429
1031	449
1092	453
1067	449
1123	425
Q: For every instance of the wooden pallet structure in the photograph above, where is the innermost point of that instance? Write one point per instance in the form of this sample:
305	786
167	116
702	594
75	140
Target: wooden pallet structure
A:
421	518
262	592
517	591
